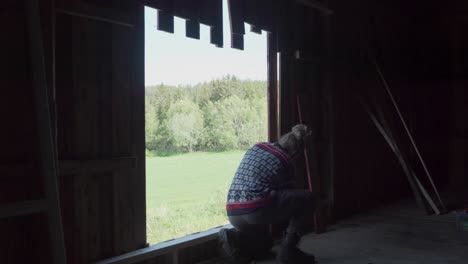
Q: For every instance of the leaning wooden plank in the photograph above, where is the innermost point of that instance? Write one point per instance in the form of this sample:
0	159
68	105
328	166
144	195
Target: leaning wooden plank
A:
115	12
396	151
47	153
426	194
414	184
92	17
319	224
306	153
387	88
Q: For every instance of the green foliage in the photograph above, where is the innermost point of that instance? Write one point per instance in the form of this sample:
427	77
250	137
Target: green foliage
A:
166	223
210	117
224	88
185	123
186	193
223	114
218	134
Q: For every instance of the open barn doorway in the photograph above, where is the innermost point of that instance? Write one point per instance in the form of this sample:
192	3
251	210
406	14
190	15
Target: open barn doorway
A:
204	106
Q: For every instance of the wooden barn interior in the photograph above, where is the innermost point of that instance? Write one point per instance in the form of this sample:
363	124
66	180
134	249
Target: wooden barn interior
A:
382	84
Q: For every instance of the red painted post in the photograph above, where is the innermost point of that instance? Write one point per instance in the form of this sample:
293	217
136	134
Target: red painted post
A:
319	225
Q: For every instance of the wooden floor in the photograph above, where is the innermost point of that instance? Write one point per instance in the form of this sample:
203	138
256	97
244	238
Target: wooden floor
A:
400	234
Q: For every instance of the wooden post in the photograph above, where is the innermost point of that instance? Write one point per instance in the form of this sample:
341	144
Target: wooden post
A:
272	93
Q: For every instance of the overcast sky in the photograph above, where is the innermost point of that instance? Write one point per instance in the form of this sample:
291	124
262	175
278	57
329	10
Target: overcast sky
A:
177	60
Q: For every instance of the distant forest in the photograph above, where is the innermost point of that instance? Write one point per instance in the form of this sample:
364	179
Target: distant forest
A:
219	115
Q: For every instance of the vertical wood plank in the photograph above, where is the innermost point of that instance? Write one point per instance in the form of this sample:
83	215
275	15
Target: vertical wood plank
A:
272	93
138	184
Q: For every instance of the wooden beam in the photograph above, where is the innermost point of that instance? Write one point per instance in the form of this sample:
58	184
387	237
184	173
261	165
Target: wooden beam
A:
138	180
236	20
237	41
387	88
306	153
316	5
210	13
115	12
168	247
23	208
192	29
165	21
426	194
255	29
418	189
410	176
286	86
319	225
216	36
272	93
98	165
96	18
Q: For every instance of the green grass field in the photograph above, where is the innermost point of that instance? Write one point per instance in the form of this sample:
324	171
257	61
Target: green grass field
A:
186	193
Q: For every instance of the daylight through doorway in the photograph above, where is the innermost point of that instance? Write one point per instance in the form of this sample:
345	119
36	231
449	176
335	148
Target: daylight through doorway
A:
204	106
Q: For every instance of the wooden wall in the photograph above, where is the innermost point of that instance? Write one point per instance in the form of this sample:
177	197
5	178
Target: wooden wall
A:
99	88
304	75
456	41
366	173
351	165
410	41
23	239
418	47
94	60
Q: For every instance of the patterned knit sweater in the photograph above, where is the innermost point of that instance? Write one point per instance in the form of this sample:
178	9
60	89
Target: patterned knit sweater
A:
263	169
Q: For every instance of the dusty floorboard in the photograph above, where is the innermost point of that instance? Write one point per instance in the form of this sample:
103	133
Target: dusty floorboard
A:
400	234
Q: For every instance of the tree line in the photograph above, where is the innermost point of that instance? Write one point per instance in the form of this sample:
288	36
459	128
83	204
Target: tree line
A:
219	115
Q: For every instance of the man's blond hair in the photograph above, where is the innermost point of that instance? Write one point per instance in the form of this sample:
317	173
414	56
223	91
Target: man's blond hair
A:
294	141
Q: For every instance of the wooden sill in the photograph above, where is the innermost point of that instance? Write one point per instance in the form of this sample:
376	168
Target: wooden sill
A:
167	247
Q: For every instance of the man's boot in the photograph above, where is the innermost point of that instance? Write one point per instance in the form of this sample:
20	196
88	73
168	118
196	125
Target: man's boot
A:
232	247
289	253
260	245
